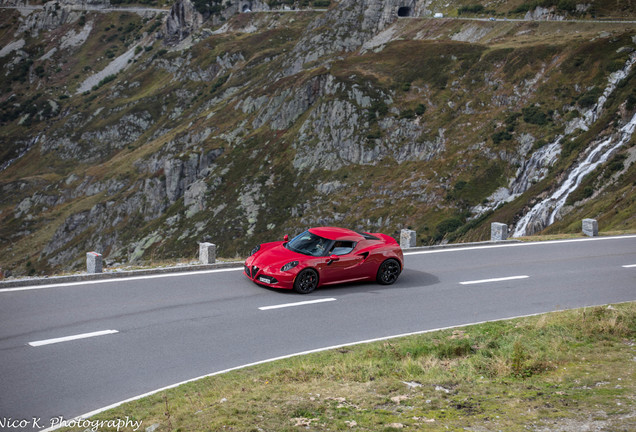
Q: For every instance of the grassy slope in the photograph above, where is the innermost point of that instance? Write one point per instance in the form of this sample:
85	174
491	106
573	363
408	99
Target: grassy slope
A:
559	371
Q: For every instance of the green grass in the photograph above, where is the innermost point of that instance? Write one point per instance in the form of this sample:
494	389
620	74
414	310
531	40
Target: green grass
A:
572	368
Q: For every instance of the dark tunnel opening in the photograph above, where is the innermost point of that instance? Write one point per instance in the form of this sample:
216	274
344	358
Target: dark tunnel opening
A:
404	11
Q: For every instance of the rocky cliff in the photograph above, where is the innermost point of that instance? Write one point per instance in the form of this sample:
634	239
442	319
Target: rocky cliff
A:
139	133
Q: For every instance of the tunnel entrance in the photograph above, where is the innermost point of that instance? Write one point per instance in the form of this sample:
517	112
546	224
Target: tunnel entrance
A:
404	11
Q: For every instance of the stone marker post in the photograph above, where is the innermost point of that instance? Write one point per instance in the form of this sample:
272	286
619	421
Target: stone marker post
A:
407	238
93	262
498	231
590	227
207	253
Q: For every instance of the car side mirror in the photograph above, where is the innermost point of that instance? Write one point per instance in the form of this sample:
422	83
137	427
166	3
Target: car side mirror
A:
334	258
286	238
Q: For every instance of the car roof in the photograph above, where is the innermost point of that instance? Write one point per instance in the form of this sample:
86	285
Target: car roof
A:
335	233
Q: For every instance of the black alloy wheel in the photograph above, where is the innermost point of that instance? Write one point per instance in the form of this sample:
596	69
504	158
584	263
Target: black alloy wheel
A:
388	272
306	281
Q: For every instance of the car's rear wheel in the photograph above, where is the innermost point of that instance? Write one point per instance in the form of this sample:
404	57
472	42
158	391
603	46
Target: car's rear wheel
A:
306	281
388	272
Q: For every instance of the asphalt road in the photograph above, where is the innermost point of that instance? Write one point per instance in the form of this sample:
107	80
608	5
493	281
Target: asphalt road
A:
169	329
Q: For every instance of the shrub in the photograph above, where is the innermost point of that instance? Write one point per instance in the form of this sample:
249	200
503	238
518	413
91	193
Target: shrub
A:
106	80
616	164
407	114
470	9
210	7
374	133
447	226
500	136
534	115
589	99
614	66
379	109
218	83
567	5
538	144
522	8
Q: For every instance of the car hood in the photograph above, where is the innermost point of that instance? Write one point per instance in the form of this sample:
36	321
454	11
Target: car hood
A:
274	254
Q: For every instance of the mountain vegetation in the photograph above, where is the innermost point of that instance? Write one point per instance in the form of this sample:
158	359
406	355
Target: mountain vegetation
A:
138	133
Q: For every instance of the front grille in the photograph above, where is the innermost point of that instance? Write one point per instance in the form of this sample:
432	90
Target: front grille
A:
254	271
247	270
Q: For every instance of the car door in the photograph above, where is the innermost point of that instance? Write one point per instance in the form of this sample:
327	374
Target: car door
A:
346	266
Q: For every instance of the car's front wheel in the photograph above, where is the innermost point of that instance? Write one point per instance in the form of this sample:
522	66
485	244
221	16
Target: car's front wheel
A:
306	281
388	272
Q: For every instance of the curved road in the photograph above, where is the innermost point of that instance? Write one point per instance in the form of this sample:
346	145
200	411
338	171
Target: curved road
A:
27	9
145	333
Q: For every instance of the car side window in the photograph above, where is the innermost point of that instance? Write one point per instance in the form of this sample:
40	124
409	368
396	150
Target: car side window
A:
342	247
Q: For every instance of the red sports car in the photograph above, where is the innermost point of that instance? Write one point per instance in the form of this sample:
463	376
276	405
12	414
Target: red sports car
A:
325	256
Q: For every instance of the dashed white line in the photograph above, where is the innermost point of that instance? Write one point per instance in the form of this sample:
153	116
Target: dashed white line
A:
71	338
629	266
303	303
494	280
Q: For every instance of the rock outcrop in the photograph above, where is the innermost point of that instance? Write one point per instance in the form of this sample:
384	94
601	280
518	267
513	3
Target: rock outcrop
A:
183	20
186	17
56	13
544	14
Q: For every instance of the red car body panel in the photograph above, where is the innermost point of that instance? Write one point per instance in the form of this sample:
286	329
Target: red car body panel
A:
264	267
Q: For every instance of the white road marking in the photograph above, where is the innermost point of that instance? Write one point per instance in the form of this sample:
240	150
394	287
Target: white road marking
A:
520	244
71	338
116	279
494	280
302	303
629	266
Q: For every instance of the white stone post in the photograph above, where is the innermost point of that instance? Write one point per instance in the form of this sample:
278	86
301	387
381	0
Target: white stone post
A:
207	253
590	227
498	231
407	238
93	262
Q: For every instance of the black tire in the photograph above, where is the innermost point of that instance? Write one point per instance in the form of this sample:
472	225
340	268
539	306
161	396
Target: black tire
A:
306	281
388	272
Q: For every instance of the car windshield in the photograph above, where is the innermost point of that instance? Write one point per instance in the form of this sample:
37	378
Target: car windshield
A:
309	244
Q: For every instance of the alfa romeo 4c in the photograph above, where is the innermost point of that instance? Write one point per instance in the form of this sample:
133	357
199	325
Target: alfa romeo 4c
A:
325	256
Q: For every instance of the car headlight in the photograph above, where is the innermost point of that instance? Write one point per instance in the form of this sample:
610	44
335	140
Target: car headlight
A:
289	266
256	249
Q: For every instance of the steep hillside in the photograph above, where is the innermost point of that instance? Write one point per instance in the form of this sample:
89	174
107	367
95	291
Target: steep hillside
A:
140	133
